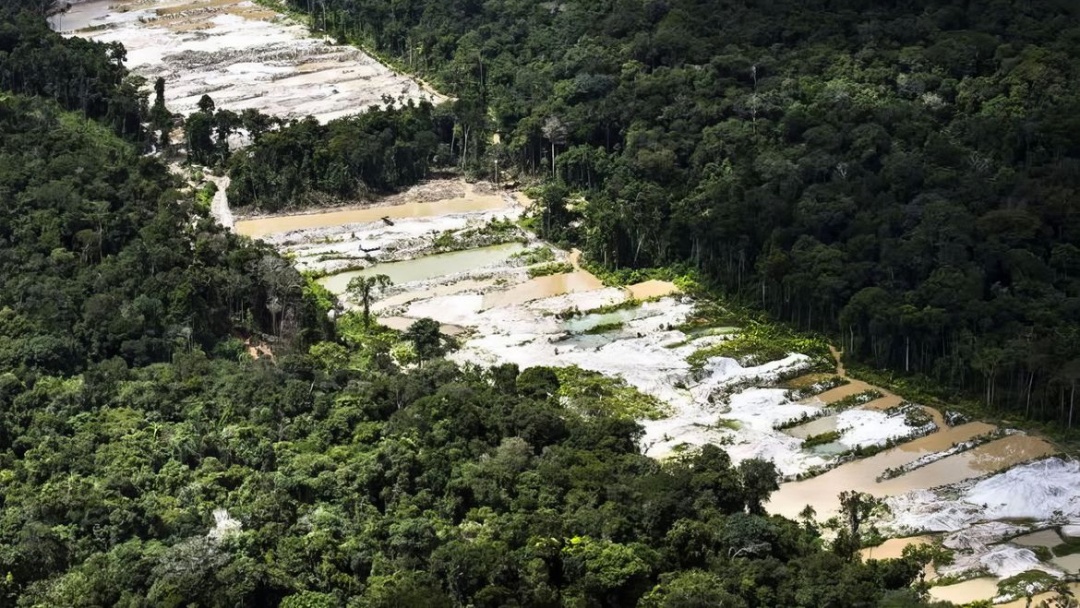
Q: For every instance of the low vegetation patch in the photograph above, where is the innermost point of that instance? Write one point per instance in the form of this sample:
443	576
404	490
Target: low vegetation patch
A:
604	328
495	232
534	255
1026	584
685	278
204	196
1069	547
592	393
856	400
760	344
549	269
820	439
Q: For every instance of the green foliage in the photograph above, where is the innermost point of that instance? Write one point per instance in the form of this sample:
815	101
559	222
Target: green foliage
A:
860	398
494	232
549	269
104	259
685	278
204	195
899	177
78	74
135	470
305	163
595	394
322	298
427	340
362	289
1026	584
820	439
535	255
760	343
604	328
310	599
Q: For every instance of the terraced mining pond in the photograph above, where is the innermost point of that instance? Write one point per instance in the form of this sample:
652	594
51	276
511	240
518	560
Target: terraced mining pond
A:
990	496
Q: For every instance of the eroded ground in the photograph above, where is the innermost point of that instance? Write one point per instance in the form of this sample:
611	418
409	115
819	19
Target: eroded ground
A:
241	54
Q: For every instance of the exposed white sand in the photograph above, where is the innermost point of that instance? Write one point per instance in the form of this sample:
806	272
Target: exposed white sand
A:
219	206
1001	561
243	56
1042	490
870	427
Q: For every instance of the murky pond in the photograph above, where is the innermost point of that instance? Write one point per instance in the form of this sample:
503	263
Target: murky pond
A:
967	591
543	287
883	403
263	226
992	457
1043	538
826	424
1068	563
80	16
589	322
861	475
651	289
427	267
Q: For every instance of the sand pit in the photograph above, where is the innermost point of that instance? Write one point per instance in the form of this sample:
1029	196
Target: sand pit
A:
242	55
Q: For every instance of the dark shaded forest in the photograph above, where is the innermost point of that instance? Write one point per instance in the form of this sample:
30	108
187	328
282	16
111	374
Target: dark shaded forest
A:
307	164
146	459
901	175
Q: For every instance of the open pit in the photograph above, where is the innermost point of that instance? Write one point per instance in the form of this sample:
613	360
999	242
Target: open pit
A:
241	54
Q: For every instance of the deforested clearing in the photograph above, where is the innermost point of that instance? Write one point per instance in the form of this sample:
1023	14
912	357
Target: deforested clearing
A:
242	55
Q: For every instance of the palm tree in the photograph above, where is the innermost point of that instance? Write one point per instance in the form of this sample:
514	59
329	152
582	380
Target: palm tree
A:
361	289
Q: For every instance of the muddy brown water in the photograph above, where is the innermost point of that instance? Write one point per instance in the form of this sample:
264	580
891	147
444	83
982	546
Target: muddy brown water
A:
257	227
966	592
853	387
1042	538
894	547
543	287
825	424
821	492
651	289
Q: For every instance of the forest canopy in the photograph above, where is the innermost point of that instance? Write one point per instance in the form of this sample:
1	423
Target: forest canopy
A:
148	459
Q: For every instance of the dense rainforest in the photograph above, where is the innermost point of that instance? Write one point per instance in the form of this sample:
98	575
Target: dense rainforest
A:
147	459
901	175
